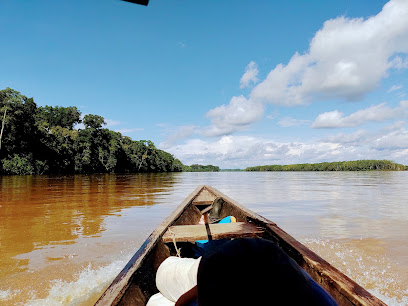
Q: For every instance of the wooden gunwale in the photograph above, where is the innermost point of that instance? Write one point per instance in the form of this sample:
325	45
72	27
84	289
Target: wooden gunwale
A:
120	284
344	290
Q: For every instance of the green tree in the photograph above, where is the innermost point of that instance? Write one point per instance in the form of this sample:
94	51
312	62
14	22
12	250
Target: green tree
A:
93	121
201	168
19	130
44	140
65	117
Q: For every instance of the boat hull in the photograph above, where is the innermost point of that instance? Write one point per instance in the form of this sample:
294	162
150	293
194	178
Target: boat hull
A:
135	284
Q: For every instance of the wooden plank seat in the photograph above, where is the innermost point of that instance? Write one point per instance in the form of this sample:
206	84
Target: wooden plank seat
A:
191	233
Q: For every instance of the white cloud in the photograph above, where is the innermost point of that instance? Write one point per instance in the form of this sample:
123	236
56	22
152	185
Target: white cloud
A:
394	88
393	140
110	122
180	133
235	116
289	122
404	104
244	151
357	138
390	137
394	126
399	63
374	113
126	131
250	75
347	58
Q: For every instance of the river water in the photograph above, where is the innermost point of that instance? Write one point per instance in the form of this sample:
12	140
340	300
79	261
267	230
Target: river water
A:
64	238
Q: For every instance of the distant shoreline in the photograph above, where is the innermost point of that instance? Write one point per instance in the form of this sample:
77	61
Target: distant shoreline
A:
357	165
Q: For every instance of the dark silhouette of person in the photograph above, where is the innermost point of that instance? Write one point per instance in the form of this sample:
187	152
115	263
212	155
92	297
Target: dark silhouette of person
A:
250	271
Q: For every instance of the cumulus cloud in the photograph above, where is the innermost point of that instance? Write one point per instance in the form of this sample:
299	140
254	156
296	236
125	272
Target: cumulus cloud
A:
356	138
346	59
250	75
244	151
228	151
393	137
395	126
180	133
289	122
390	137
235	116
233	151
393	140
374	113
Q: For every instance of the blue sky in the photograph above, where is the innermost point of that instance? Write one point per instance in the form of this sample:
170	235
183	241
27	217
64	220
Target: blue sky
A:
230	83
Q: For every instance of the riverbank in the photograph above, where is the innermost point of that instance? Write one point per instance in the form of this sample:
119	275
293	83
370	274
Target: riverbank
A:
356	165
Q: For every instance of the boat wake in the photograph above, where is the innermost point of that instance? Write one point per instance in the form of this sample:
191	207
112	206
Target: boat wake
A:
362	261
6	295
89	285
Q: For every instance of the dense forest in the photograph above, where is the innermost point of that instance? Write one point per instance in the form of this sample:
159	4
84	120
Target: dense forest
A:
201	168
357	165
43	140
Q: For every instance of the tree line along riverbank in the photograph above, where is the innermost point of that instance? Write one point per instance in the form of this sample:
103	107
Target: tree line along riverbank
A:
357	165
201	168
44	140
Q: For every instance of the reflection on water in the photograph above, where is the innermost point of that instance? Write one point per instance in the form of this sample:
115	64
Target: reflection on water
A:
52	226
64	238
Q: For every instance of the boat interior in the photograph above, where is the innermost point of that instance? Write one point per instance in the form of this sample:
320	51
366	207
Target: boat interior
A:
179	232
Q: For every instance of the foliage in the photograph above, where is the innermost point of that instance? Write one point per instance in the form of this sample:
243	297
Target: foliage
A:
20	132
65	117
93	121
18	165
201	168
39	140
21	165
357	165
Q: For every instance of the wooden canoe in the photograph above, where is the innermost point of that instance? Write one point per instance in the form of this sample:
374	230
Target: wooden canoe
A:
135	284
